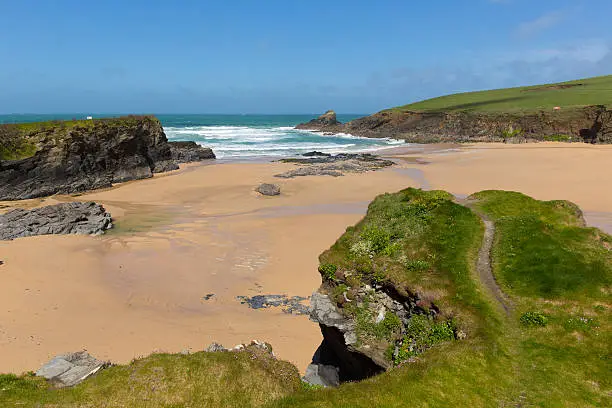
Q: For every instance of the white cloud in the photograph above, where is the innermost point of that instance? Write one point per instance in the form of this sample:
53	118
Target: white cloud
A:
528	67
591	51
531	28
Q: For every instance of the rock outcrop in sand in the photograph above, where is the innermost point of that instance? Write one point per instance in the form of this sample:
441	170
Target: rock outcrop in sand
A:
75	156
335	166
66	218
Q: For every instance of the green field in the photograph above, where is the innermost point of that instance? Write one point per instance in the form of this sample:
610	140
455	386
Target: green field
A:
551	349
567	95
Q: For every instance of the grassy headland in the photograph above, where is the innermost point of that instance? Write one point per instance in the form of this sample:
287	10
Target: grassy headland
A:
566	95
550	350
566	112
22	140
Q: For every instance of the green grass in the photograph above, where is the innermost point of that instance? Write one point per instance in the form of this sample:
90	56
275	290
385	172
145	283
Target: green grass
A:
30	127
542	250
419	242
551	350
591	91
13	143
558	355
226	379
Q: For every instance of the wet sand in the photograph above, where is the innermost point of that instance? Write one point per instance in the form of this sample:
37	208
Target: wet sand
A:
203	230
140	287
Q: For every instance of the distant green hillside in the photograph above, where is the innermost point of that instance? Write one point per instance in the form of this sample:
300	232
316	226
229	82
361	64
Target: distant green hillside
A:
573	94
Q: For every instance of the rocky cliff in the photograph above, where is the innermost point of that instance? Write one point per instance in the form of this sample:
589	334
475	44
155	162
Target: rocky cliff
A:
591	124
388	290
42	159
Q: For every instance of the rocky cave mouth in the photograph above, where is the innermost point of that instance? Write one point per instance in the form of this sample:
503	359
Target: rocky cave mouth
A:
336	362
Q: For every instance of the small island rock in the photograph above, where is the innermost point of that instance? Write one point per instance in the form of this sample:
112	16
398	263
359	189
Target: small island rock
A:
325	121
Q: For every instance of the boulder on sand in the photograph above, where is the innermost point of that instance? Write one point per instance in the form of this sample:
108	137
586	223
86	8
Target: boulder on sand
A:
268	189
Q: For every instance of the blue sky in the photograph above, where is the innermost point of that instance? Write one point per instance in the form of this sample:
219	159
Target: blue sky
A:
289	56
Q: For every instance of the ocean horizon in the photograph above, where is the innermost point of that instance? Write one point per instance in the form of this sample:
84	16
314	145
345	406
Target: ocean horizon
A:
244	136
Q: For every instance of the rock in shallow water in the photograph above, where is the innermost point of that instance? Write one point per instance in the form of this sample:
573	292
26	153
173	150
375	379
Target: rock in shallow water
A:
66	218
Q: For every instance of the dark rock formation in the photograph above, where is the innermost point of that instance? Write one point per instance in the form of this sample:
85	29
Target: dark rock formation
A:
70	369
591	124
290	305
335	165
208	296
66	218
315	154
185	152
77	156
268	189
341	347
323	122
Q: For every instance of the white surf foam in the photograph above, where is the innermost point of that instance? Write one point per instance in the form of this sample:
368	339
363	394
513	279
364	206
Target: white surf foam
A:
245	141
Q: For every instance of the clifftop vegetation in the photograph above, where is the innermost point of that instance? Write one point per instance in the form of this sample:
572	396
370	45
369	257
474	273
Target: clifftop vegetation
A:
576	111
22	140
565	95
551	349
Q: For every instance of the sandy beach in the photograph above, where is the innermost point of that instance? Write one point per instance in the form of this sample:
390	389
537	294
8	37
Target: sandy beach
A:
203	230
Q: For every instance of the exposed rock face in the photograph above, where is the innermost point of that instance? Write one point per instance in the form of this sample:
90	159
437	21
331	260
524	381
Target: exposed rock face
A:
74	157
268	189
185	152
341	347
327	120
335	166
591	124
322	374
66	218
70	369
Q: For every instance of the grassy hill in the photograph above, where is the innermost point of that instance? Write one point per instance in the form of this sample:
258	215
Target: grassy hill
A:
572	94
550	349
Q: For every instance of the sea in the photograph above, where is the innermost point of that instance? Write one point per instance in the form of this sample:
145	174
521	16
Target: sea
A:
245	136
